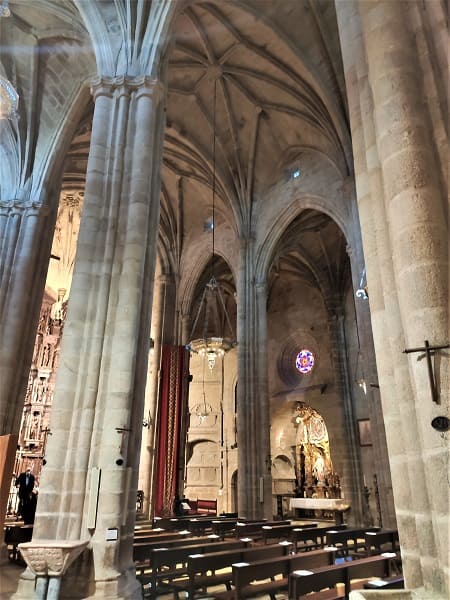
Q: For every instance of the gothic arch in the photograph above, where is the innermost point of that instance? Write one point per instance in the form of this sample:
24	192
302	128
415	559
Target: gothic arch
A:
287	216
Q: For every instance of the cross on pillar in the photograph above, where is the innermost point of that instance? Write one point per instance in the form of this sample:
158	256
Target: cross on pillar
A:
123	431
429	352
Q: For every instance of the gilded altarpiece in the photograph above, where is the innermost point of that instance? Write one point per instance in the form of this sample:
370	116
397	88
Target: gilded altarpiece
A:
314	473
34	429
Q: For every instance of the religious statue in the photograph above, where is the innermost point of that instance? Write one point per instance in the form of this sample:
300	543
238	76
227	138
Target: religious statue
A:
34	428
57	309
319	470
46	355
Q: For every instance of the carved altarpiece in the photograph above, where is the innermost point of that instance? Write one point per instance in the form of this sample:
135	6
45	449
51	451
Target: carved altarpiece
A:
34	429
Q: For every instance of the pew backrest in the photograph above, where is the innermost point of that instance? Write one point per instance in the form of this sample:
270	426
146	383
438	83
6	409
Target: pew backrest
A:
306	580
255	528
276	532
246	575
378	539
142	550
201	564
168	557
342	537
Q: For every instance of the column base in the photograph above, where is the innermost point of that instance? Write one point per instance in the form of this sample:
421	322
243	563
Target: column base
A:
25	588
124	588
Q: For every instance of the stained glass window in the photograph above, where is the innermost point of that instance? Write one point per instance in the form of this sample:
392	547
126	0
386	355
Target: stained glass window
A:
305	361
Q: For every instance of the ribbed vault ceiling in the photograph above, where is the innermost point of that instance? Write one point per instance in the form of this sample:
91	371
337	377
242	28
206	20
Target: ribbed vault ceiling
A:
276	69
272	99
266	78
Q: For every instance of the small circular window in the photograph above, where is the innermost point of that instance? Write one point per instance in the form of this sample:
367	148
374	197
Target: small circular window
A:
304	361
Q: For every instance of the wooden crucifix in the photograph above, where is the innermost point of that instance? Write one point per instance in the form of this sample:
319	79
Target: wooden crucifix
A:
429	352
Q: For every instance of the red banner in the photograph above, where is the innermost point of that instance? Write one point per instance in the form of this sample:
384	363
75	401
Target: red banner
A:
172	395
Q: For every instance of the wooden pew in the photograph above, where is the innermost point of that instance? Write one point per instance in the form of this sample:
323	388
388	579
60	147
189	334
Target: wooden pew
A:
373	567
15	535
254	528
250	579
306	581
312	538
279	532
199	526
202	568
177	523
376	541
161	537
168	564
142	550
348	539
222	527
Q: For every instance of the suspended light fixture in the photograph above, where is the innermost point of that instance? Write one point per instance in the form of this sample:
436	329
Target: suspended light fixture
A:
212	303
203	410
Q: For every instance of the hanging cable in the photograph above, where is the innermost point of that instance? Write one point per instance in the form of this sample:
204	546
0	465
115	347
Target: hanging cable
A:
214	179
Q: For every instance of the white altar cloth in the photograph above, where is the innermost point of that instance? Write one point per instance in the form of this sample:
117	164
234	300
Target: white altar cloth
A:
319	504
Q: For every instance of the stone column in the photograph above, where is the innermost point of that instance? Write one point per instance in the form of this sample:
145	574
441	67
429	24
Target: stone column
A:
146	463
25	243
400	187
97	413
351	478
368	362
253	416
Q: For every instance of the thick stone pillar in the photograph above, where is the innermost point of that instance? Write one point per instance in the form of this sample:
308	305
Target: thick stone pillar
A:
97	413
25	242
253	411
403	207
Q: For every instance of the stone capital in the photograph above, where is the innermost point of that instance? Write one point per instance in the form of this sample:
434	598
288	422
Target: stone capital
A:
125	85
23	208
51	557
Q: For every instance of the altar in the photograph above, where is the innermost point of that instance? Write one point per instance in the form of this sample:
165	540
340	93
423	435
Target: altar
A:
336	505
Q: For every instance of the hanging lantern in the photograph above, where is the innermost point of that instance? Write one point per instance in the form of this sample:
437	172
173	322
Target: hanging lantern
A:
212	306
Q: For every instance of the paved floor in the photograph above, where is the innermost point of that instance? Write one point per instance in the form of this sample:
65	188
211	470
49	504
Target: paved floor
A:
9	579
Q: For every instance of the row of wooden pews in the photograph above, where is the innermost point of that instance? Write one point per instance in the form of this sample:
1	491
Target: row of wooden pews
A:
304	573
181	561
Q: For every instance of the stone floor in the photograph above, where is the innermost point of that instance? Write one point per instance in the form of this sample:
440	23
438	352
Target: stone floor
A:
9	578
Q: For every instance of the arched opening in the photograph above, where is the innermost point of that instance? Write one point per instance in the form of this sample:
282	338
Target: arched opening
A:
35	424
313	345
210	433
